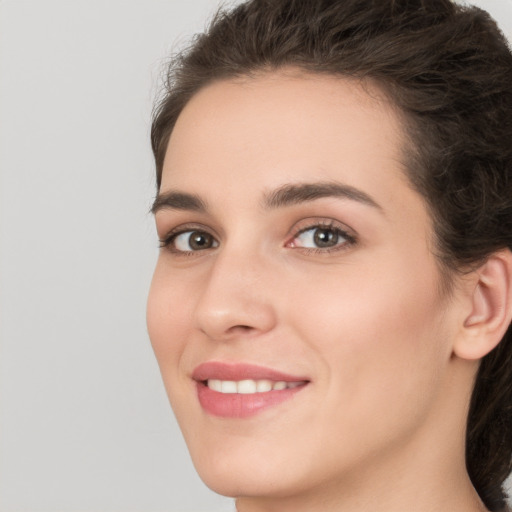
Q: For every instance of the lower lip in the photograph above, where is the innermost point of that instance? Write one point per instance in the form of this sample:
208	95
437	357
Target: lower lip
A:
238	405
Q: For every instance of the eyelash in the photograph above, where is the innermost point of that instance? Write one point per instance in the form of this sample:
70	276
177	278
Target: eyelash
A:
330	225
170	238
349	239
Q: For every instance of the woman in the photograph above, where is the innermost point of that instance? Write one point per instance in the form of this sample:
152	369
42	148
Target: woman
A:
331	305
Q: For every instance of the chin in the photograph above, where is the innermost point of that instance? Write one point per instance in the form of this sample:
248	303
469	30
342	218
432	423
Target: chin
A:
249	483
251	472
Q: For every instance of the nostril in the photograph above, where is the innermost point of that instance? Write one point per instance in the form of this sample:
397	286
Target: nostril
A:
243	328
240	330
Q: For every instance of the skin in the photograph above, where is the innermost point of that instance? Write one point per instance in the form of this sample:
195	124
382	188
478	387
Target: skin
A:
381	424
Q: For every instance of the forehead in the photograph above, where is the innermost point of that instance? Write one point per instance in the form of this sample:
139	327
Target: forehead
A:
286	126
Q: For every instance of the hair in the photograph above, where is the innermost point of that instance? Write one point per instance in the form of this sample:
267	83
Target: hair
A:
448	69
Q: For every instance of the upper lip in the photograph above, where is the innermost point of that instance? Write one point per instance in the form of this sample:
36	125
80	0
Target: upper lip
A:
241	371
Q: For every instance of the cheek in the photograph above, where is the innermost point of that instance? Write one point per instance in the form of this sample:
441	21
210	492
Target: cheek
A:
167	319
380	336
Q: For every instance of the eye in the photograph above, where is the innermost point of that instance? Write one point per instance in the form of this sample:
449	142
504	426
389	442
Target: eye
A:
318	237
190	241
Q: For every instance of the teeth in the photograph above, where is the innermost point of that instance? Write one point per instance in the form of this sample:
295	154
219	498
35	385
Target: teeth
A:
262	386
215	384
278	386
228	386
249	386
246	387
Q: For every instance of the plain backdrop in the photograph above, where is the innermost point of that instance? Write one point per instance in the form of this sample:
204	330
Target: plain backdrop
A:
85	425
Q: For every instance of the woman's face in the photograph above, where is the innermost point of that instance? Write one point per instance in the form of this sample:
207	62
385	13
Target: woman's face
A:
296	252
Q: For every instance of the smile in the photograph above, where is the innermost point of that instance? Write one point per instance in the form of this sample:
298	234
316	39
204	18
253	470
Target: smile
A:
240	390
248	386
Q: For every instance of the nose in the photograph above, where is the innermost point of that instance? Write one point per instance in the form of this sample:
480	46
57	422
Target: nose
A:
236	299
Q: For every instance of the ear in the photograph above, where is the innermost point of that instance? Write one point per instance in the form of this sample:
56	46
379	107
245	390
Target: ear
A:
490	308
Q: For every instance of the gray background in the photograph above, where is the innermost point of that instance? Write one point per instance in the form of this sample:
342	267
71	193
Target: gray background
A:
85	424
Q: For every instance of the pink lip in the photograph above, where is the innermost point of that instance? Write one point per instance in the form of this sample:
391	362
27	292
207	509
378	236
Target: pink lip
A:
238	371
241	405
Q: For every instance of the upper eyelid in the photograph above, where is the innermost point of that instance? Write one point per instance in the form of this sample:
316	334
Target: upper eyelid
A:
324	222
188	226
309	222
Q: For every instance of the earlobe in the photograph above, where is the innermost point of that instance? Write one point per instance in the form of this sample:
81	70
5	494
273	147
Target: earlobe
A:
490	308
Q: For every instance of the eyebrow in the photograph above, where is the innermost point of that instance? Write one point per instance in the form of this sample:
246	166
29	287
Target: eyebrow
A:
174	200
304	192
283	196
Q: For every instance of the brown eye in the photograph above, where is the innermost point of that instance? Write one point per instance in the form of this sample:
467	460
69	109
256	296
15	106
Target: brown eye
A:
325	237
321	237
189	241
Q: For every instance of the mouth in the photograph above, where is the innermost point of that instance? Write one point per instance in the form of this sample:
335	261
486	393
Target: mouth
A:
249	387
240	390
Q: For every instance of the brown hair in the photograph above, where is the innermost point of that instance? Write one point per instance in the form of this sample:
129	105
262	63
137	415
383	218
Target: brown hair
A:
449	69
